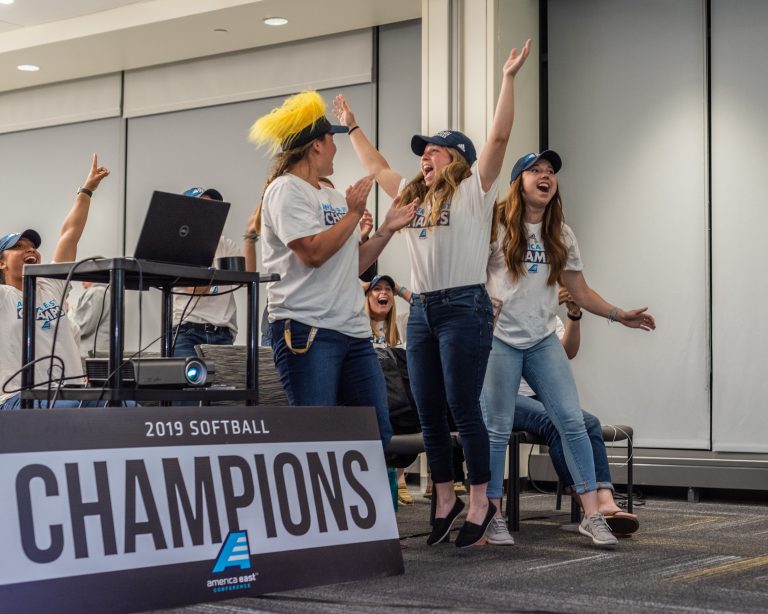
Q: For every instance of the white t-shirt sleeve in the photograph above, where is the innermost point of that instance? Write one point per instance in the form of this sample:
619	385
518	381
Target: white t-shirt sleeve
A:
292	215
573	263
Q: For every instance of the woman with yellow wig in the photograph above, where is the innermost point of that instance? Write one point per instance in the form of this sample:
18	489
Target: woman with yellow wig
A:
311	239
451	319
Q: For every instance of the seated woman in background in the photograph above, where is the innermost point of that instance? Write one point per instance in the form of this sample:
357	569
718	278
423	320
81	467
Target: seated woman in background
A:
386	328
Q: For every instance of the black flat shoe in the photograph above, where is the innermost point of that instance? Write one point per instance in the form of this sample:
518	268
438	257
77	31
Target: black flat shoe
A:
472	533
443	526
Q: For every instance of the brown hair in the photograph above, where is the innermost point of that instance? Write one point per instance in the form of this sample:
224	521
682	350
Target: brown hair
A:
510	215
447	180
282	162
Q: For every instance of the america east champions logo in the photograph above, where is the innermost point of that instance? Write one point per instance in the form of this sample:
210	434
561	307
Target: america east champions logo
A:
332	215
234	554
47	313
422	222
535	255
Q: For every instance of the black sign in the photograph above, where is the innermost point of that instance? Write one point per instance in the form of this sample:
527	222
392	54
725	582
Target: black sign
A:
120	510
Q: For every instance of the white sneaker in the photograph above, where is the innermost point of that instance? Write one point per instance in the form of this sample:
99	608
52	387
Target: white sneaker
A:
497	533
594	526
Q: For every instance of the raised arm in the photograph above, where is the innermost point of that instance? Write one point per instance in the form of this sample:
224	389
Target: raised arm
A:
397	217
249	242
74	223
590	300
375	164
315	250
492	155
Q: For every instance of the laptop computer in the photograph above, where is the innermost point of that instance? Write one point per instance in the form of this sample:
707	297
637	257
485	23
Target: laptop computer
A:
181	229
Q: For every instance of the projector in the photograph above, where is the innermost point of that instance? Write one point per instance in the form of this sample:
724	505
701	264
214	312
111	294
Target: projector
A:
168	372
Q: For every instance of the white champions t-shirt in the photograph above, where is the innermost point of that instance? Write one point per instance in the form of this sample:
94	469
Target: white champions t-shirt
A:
525	388
528	305
48	311
212	308
329	296
455	251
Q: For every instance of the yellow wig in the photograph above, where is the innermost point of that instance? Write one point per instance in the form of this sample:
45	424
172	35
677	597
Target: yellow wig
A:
280	128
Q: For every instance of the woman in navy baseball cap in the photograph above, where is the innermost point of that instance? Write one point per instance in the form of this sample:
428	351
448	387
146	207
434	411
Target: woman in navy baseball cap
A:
533	250
21	248
451	319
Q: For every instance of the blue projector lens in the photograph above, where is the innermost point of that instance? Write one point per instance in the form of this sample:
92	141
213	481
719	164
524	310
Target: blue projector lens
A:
195	373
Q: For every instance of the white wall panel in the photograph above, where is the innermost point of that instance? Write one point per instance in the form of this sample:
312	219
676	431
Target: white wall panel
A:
627	113
316	63
42	170
60	103
739	222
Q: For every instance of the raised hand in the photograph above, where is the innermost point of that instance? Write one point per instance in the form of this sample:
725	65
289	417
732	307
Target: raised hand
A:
366	225
636	318
516	59
343	112
357	195
400	216
95	175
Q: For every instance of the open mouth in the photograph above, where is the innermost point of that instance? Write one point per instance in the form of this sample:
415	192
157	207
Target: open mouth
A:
30	260
543	187
382	300
426	170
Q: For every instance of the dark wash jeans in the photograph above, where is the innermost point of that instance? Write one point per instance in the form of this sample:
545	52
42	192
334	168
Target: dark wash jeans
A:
531	416
187	338
449	340
337	370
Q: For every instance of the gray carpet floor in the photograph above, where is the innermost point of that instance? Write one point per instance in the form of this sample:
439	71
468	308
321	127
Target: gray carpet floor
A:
687	557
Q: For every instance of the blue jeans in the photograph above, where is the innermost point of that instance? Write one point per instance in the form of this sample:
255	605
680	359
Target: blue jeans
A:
449	339
545	367
531	416
14	402
337	370
188	337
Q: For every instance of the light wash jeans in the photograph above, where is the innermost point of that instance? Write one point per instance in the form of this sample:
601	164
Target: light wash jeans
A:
545	367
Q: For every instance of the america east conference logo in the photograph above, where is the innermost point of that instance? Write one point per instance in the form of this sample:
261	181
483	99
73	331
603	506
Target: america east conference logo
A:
234	554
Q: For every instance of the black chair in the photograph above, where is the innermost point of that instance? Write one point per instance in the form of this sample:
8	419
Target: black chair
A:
611	434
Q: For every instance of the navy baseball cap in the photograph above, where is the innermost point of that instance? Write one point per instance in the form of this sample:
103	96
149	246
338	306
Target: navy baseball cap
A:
447	138
314	131
200	192
377	278
528	160
10	240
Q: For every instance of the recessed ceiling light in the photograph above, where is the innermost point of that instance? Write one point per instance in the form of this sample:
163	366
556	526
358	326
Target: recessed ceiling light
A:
6	1
28	67
275	21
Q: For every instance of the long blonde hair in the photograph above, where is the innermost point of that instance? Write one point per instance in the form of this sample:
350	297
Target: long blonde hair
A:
391	333
511	214
282	162
440	194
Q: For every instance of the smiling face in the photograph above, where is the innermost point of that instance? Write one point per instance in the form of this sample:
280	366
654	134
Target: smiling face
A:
434	158
381	299
539	185
14	259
